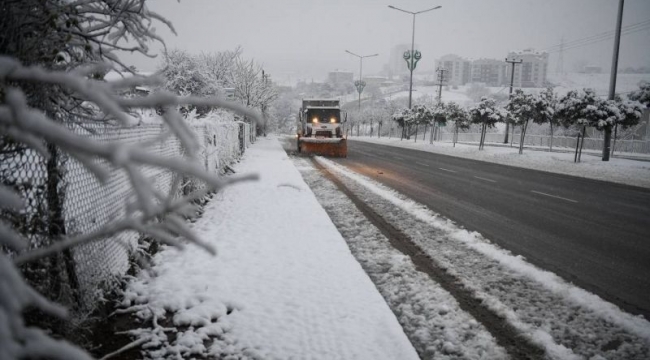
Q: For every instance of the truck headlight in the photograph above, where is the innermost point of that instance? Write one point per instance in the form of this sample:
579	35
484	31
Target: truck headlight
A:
333	120
314	120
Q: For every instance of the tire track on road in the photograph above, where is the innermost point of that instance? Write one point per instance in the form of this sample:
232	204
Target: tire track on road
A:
517	346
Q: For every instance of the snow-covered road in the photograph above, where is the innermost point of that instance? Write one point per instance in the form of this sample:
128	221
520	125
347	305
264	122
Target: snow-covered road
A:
289	282
565	321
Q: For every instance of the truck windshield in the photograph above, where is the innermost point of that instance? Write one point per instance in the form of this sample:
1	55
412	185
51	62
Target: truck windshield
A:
324	116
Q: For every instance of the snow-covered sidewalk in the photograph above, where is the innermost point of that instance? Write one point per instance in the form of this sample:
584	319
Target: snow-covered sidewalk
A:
284	284
623	171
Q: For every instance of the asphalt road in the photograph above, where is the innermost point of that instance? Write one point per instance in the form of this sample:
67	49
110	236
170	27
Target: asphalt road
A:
592	233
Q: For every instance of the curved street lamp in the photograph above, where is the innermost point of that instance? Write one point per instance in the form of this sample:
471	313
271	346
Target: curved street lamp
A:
413	56
360	84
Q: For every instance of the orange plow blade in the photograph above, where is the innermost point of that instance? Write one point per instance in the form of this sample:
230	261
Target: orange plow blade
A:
324	147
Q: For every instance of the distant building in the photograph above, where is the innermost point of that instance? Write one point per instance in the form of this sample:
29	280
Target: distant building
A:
533	69
458	69
490	72
374	80
592	69
396	62
340	77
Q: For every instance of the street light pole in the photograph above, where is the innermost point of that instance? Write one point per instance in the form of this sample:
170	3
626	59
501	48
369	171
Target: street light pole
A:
612	80
360	84
512	81
413	57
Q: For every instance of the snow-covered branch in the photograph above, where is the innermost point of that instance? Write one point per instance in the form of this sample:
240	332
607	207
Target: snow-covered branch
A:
152	213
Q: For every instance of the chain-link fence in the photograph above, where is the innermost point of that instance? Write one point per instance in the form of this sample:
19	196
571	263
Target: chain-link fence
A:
64	198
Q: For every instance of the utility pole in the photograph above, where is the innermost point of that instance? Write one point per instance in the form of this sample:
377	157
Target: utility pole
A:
612	78
441	78
514	62
559	69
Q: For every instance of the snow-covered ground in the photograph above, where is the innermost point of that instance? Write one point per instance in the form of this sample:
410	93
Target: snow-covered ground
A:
458	96
624	171
432	319
599	82
284	284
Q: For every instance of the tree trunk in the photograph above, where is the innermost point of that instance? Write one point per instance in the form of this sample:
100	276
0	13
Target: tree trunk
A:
551	143
524	126
614	141
56	226
607	143
582	144
505	139
415	138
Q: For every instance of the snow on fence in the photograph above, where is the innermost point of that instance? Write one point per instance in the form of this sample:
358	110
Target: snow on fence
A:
628	146
79	277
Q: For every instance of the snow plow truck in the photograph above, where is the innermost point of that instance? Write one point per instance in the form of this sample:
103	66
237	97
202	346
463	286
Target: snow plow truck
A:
320	128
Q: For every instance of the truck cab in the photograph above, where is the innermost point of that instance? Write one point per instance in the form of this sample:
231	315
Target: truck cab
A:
320	118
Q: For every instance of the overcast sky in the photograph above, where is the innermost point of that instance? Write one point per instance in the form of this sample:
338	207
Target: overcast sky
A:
304	39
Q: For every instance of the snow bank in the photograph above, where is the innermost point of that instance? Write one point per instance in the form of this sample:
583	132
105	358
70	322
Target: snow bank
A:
283	286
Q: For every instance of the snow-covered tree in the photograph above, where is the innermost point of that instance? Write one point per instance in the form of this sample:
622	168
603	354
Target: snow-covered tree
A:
186	74
439	111
62	33
521	109
459	116
53	54
220	65
487	114
415	116
642	95
251	88
545	104
157	215
58	34
584	108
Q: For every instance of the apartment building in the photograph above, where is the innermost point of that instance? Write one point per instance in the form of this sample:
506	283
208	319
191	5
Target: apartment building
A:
340	77
532	70
458	69
490	72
